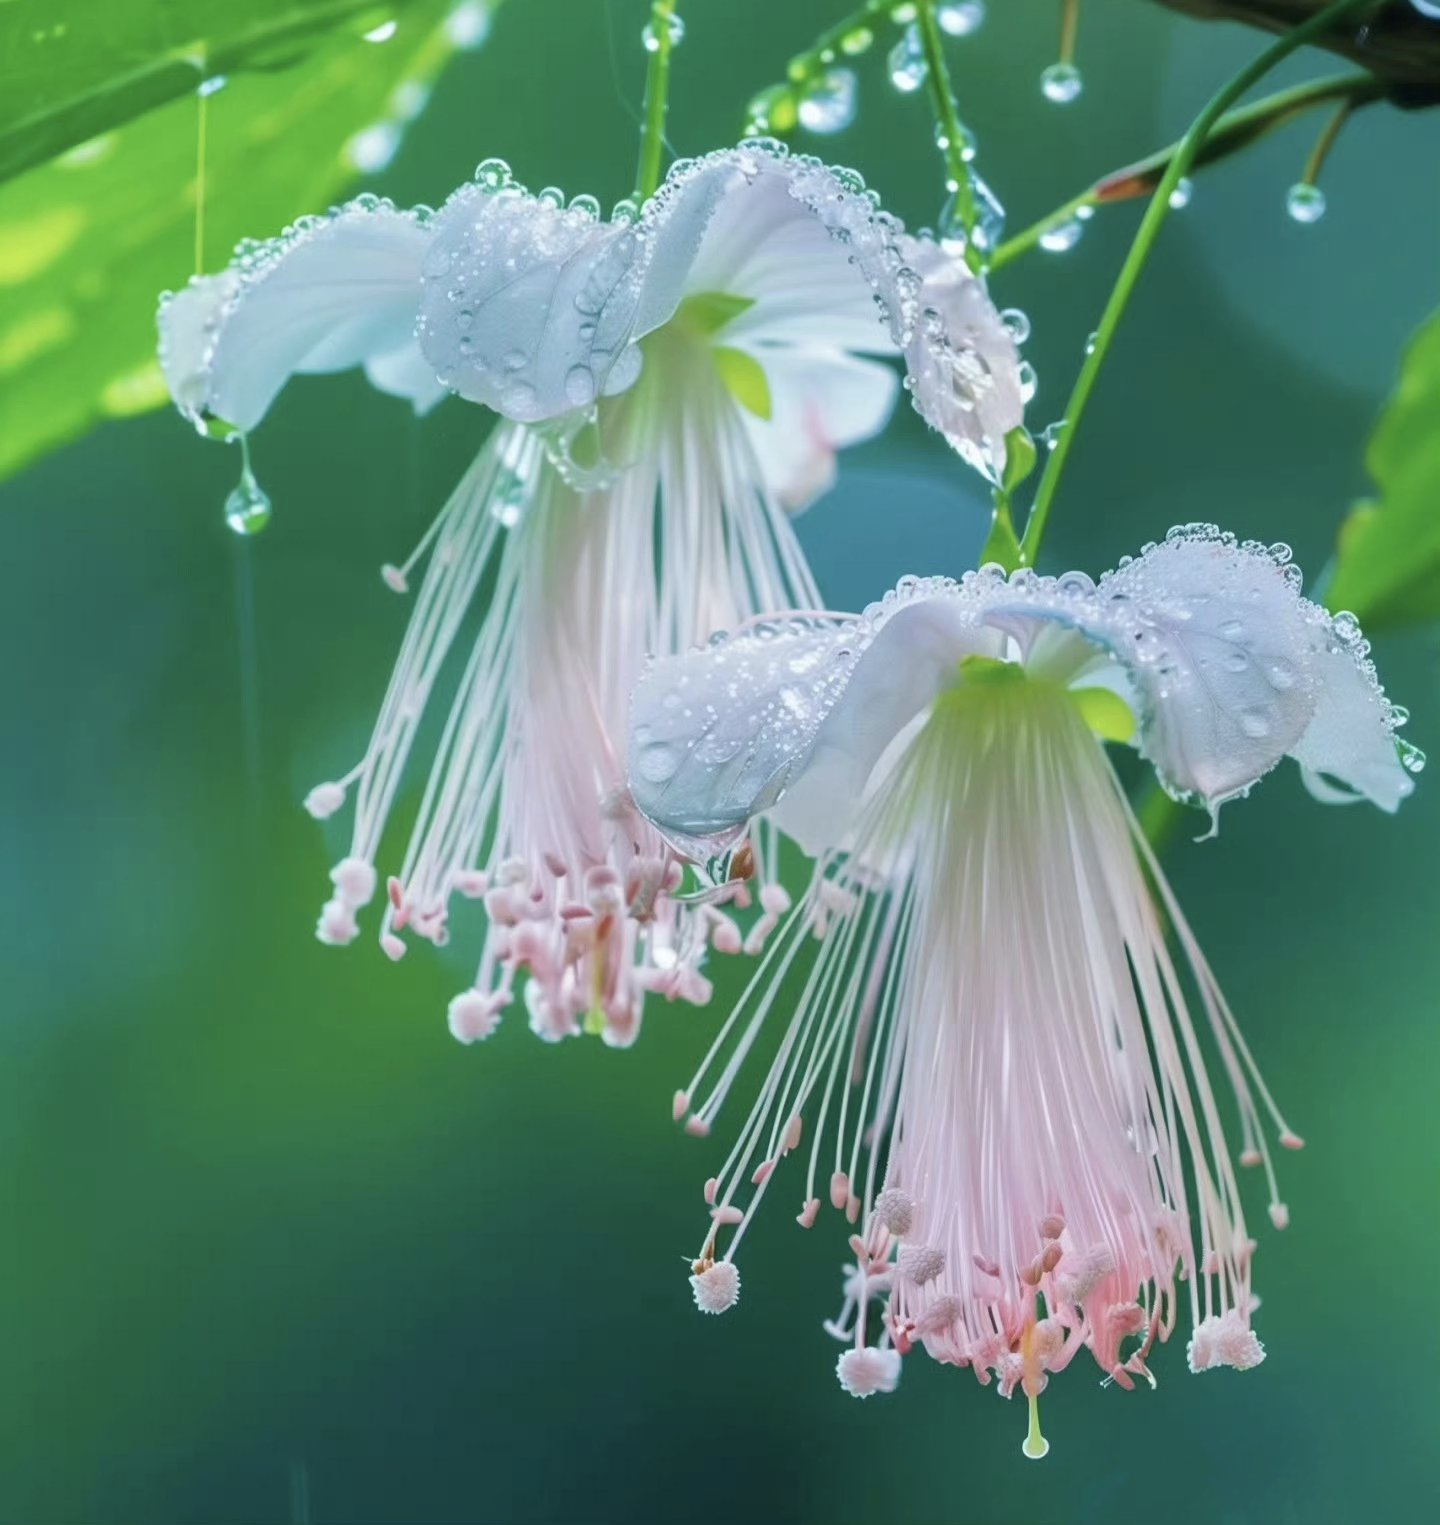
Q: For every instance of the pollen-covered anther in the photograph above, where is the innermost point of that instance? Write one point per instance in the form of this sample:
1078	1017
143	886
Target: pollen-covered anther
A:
1289	1140
470	883
1250	1158
697	1127
839	1190
807	1214
1081	1273
1052	1227
337	925
727	1215
712	1186
868	1370
793	1132
716	1287
895	1209
1280	1215
1224	1340
920	1263
473	1015
394	578
392	947
324	800
354	880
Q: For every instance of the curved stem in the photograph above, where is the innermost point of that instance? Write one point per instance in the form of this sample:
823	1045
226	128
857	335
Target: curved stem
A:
1234	131
809	62
657	97
947	115
1325	142
1149	230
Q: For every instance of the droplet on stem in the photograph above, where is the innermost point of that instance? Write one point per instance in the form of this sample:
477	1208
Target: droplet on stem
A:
1061	83
828	104
1305	202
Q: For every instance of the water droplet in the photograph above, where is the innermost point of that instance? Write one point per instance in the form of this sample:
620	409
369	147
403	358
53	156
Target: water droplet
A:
1237	661
551	196
674	33
1025	374
1412	759
211	85
907	62
828	104
1305	203
962	18
493	174
1017	322
1091	340
1399	715
247	509
1346	627
580	385
1050	434
625	211
1062	236
1255	724
589	205
989	216
857	41
657	762
1182	192
1232	630
1061	83
382	33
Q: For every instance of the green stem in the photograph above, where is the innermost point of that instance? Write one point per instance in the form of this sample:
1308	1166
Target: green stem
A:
657	97
1234	131
806	64
1325	142
947	116
1149	230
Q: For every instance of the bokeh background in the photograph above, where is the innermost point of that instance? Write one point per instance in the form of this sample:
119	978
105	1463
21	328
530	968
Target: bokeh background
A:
277	1249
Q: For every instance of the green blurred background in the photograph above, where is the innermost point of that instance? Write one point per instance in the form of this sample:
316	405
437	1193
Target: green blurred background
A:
269	1229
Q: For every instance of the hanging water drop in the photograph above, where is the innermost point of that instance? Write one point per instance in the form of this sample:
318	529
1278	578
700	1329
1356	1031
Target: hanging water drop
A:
857	41
1061	83
208	87
1091	340
1180	196
828	104
907	62
674	33
1305	203
247	509
1412	759
1017	322
1062	235
989	216
961	18
1025	375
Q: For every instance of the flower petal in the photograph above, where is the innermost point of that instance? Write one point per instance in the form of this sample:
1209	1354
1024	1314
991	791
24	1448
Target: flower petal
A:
821	266
1351	735
819	404
1226	667
528	305
329	294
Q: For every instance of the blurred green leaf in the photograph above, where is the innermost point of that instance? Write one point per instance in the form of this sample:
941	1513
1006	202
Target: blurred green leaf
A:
1388	564
75	68
88	242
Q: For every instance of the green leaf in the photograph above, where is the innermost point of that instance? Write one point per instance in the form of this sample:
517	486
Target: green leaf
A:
1002	545
744	379
707	312
1387	567
1019	458
88	242
75	68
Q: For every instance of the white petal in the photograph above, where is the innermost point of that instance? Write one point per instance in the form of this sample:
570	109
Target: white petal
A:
188	322
1351	736
333	293
802	709
964	367
527	306
405	372
823	267
1226	666
819	404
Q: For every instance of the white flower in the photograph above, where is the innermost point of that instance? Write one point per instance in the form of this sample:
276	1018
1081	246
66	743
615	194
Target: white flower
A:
668	385
992	1009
